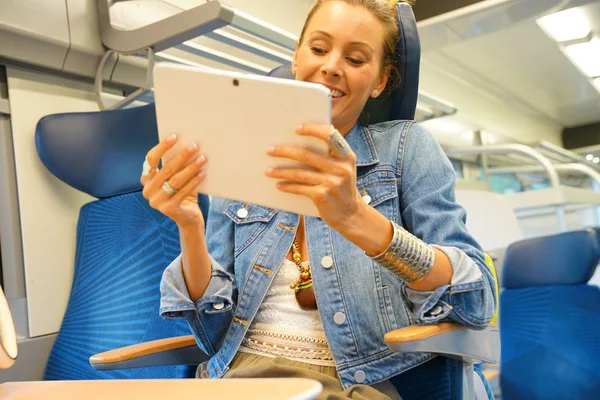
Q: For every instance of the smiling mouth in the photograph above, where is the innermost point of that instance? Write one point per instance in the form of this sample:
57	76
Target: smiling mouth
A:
336	94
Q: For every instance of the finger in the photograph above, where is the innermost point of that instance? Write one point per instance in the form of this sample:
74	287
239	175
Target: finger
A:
180	179
189	187
315	130
306	156
157	152
157	197
173	166
296	188
147	178
339	147
298	175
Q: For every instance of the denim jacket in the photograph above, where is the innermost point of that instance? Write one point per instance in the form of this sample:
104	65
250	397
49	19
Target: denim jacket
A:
410	180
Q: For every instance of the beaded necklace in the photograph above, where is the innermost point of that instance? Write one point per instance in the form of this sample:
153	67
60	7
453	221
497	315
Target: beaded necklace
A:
303	287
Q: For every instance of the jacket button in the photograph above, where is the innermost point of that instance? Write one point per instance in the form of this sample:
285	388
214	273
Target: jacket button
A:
359	376
242	213
339	318
326	262
367	199
437	310
218	306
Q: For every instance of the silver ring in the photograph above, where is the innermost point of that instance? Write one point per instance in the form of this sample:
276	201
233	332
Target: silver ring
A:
146	168
168	189
338	144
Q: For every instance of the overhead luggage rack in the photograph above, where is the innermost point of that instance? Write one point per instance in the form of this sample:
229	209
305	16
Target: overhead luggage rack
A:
214	20
189	24
178	30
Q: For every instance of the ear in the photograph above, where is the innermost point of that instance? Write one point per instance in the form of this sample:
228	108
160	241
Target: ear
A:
382	80
294	64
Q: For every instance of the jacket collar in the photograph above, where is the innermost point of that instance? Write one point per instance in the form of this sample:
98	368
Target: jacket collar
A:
360	140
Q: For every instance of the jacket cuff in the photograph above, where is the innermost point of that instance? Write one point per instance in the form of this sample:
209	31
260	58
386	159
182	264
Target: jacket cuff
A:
175	299
434	306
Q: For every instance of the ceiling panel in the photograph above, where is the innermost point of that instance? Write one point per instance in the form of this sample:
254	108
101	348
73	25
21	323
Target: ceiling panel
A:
528	64
484	18
517	61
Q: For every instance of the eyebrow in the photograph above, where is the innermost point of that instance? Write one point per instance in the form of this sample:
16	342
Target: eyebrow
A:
351	43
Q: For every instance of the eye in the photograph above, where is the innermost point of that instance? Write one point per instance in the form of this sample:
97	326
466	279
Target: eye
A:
355	61
318	50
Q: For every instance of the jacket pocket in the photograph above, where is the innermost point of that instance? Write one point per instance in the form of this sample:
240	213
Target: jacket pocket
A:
250	220
379	189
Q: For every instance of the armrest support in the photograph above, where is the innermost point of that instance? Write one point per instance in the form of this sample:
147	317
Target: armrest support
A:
181	350
491	374
448	339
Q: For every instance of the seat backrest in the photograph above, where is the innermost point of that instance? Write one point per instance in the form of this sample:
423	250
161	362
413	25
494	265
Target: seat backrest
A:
123	245
550	318
486	209
494	230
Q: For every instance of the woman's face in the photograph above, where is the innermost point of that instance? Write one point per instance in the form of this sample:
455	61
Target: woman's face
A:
343	49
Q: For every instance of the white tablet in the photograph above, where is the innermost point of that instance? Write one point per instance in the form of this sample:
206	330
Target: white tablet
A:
234	117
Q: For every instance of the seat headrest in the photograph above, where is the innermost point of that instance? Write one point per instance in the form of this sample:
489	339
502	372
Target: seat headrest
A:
99	153
563	259
401	103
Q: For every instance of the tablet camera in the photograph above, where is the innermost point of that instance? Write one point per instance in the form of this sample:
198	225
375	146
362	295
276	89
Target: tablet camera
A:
236	82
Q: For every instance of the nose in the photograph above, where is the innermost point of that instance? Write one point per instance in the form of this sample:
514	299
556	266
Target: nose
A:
332	67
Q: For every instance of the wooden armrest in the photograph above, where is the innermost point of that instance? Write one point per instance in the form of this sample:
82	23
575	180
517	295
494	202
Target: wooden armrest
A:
452	340
491	374
8	337
420	332
142	350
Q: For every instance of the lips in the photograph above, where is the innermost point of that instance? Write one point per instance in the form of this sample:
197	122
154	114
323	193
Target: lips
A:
336	93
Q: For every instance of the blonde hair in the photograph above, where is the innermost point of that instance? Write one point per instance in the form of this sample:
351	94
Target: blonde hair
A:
385	12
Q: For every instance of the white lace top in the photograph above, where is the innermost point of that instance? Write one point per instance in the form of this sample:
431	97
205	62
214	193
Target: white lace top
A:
281	328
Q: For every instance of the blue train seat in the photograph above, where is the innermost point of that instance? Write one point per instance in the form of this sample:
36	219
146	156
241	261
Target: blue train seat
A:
123	245
550	318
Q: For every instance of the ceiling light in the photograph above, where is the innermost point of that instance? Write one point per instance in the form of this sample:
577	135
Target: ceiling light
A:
565	25
589	157
597	83
586	56
596	160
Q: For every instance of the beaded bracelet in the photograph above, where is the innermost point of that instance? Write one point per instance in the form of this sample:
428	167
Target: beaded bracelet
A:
407	256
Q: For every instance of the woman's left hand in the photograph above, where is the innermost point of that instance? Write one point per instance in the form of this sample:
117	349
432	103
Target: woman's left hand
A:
331	185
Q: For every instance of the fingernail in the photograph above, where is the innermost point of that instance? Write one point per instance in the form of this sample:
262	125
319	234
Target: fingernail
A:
268	171
192	146
200	159
270	149
171	138
298	128
201	173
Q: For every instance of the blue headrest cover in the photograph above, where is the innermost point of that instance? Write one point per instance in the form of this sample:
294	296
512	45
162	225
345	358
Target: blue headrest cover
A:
562	259
402	102
99	153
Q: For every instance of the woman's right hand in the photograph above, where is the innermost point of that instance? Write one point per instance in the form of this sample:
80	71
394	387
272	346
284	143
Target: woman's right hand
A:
182	207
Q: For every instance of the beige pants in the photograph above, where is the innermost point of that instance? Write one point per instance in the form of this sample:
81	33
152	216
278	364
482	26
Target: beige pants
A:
246	365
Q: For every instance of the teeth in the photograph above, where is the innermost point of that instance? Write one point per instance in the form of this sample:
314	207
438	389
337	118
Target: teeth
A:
336	93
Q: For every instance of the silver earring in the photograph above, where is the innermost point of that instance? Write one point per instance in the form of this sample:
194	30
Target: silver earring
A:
375	93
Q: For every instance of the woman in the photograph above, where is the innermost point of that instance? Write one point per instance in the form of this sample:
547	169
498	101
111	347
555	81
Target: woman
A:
271	293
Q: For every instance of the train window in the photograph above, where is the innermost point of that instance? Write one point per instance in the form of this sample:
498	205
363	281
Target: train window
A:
534	181
457	165
505	183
